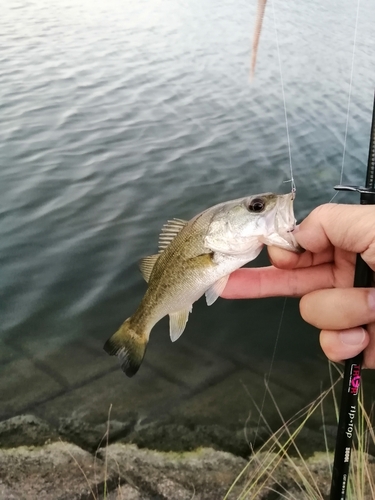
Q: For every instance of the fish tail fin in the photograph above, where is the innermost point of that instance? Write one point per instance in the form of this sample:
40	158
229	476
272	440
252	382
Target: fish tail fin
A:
129	346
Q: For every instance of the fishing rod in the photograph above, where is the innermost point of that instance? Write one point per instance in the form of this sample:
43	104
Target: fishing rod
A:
353	366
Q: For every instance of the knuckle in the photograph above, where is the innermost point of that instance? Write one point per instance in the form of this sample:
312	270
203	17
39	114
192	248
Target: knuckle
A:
280	258
368	255
320	213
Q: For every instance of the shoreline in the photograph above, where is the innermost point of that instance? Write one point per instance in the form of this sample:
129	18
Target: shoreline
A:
49	466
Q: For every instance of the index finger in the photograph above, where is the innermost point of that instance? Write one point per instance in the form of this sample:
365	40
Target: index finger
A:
260	282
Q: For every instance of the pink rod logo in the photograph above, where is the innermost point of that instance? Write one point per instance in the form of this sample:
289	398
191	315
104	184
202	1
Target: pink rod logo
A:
355	379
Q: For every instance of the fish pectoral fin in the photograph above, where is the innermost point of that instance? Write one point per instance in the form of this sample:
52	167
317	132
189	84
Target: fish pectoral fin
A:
146	265
203	261
216	290
177	323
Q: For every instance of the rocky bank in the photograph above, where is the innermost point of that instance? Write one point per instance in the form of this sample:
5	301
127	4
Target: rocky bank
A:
40	462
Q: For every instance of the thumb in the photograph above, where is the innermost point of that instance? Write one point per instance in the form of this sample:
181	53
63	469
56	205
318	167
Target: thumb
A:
345	344
348	227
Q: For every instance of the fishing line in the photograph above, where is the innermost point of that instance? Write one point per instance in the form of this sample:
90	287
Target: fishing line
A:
341	463
268	374
349	100
293	189
293	185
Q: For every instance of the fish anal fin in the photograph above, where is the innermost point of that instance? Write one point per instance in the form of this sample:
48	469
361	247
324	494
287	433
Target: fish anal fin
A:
169	231
177	323
216	290
146	265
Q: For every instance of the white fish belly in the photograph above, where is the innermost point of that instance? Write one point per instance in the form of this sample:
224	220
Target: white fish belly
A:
195	284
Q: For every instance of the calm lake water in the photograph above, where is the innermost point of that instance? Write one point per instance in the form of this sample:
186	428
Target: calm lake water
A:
118	115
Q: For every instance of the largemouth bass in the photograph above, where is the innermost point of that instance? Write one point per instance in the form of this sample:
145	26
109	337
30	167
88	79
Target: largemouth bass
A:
196	257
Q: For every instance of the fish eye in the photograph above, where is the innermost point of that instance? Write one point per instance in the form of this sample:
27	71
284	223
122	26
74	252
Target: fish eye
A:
256	205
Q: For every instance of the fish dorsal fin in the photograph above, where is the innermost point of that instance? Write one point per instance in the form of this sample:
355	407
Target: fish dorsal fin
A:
146	265
177	323
216	289
169	231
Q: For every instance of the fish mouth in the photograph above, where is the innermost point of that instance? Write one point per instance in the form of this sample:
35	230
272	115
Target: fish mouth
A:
285	222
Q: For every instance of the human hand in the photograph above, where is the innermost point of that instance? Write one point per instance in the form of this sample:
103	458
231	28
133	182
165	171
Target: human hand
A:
323	276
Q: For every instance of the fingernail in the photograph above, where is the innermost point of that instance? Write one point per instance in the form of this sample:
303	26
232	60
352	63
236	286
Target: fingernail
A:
371	299
353	336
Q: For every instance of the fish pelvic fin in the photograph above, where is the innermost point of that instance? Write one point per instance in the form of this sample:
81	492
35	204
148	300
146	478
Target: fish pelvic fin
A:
216	290
129	346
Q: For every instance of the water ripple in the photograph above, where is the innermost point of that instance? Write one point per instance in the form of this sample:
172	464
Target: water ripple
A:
118	115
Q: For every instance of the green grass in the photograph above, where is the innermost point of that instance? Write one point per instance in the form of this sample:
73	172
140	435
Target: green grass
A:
279	465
